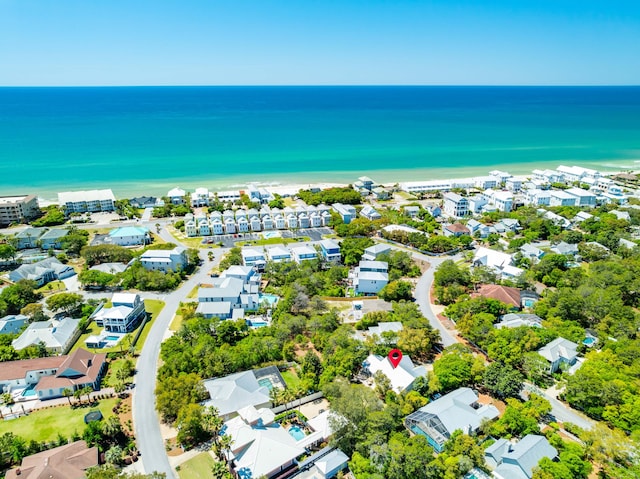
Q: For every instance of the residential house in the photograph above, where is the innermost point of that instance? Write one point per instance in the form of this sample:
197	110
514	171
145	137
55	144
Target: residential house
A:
129	235
549	176
537	197
455	205
56	335
484	182
18	375
261	447
346	212
373	252
78	370
559	351
13	323
477	203
562	198
325	464
87	201
426	186
565	249
380	331
42	272
504	294
18	209
110	268
145	202
582	216
229	226
52	239
515	320
69	461
370	277
254	257
176	196
560	221
583	197
124	315
577	173
627	244
381	194
232	393
411	211
190	227
500	263
457	410
434	210
518	461
502	176
304	253
164	260
531	252
200	197
621	215
478	229
502	200
514	185
243	225
278	254
267	223
401	376
29	237
228	196
508	224
279	221
232	294
292	221
330	250
370	213
456	229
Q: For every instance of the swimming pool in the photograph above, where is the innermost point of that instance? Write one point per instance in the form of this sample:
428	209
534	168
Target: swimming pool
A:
29	391
112	338
257	324
269	298
271	234
589	341
266	382
297	433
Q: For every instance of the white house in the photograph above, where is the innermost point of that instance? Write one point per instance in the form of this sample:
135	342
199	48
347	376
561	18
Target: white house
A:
370	213
401	376
583	197
537	197
253	257
372	252
277	254
176	195
164	260
346	212
124	315
455	205
370	277
42	272
232	393
129	235
559	351
304	253
477	203
200	197
57	335
518	461
87	201
561	198
514	185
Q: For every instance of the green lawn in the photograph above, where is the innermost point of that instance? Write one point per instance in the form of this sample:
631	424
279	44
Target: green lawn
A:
270	241
52	287
291	378
176	322
152	306
198	467
45	424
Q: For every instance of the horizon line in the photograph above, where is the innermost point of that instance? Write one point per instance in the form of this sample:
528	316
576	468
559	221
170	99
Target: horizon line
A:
338	85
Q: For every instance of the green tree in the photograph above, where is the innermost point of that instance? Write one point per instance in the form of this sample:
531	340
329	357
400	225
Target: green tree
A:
70	303
502	380
34	312
455	368
174	393
396	291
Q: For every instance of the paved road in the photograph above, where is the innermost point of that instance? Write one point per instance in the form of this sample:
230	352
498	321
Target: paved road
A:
559	410
147	426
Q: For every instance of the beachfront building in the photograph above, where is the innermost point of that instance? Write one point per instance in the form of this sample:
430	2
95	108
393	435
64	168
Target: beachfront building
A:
200	197
56	335
330	250
426	186
485	182
91	201
577	173
124	315
477	203
457	410
401	376
502	200
548	176
129	235
164	260
370	277
42	272
514	185
346	212
176	196
455	205
18	209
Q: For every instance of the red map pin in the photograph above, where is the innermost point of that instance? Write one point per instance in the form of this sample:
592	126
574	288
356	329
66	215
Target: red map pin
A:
395	356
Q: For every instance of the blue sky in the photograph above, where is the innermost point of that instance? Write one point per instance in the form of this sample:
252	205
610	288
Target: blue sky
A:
292	42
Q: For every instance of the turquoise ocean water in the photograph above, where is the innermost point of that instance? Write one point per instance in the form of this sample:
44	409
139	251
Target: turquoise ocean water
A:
146	140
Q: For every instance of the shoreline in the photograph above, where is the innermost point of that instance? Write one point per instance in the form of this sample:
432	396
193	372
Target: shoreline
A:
290	183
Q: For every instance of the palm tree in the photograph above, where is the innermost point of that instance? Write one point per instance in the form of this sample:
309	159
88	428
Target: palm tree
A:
112	427
86	390
66	392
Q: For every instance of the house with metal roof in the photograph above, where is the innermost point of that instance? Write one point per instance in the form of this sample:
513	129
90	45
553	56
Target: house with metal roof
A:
129	235
559	351
517	461
457	410
13	323
232	393
401	376
56	335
